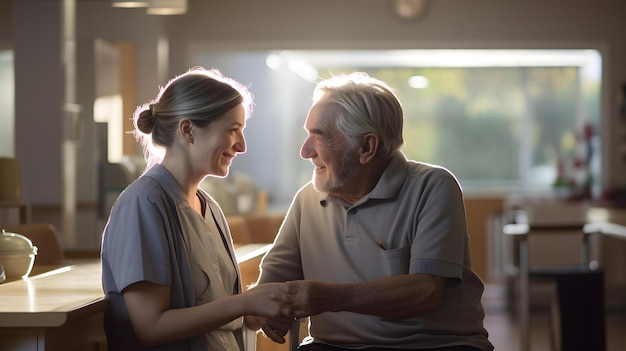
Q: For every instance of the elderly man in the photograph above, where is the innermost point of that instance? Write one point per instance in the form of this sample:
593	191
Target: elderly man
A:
375	246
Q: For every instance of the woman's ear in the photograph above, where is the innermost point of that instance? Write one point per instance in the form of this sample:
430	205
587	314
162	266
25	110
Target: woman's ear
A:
185	128
369	147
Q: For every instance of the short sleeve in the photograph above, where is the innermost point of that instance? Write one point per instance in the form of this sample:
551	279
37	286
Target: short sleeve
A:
438	247
135	243
283	261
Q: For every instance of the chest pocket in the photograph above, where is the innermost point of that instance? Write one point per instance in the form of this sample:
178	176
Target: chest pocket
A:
396	261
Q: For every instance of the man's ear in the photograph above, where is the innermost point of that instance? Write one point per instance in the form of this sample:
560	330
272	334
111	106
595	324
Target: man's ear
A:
369	147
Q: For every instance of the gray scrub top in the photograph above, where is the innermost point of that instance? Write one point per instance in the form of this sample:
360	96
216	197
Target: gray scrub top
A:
413	221
154	235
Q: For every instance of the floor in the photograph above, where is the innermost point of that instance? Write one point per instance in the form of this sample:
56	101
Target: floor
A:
504	331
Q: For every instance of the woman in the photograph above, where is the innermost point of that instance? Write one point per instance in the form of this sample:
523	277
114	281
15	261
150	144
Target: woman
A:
168	266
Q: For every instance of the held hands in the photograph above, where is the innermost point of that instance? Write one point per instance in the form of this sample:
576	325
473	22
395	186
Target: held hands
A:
293	300
270	310
308	297
270	301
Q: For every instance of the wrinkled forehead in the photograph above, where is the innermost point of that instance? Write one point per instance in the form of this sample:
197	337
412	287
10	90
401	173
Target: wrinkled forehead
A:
323	115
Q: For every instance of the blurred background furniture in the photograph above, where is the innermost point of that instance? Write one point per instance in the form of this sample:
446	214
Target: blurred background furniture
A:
258	227
236	194
12	209
577	304
253	236
239	230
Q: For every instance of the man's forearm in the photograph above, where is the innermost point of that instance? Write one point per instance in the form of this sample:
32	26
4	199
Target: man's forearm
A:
396	297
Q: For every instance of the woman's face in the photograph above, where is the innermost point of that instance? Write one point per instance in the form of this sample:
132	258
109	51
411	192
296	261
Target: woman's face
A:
219	142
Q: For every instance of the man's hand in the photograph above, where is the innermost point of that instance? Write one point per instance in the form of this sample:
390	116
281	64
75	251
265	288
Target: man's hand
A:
309	297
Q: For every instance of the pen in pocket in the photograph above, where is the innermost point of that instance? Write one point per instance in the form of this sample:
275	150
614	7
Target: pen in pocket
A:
380	244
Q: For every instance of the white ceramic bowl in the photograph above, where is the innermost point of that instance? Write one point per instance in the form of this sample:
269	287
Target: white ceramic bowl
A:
17	255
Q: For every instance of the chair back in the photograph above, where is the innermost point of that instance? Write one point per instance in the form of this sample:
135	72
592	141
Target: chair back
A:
10	183
239	229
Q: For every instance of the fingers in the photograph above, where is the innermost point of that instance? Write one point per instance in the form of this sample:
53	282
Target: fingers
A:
290	287
274	335
280	305
280	323
277	291
276	330
292	299
275	309
252	322
297	314
286	311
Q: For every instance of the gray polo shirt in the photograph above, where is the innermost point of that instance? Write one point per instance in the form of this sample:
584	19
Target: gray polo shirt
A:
416	213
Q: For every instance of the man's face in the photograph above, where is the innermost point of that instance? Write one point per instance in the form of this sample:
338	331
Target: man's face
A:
335	161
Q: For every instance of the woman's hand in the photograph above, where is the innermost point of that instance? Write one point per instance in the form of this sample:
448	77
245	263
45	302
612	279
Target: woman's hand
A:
270	309
270	301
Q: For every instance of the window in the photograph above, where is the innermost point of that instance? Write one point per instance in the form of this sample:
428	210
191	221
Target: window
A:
500	120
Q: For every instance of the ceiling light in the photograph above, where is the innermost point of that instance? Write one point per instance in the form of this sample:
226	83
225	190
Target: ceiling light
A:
167	7
129	3
418	82
273	61
409	9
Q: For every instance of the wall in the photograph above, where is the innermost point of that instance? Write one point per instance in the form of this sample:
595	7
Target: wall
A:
5	24
38	99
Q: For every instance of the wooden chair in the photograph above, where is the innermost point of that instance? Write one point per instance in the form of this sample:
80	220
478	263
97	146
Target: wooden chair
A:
44	236
263	227
239	229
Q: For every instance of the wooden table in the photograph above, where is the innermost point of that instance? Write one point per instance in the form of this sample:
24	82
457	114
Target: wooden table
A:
57	310
61	307
609	222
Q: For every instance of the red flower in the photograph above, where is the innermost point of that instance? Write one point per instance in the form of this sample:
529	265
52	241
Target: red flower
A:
587	131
